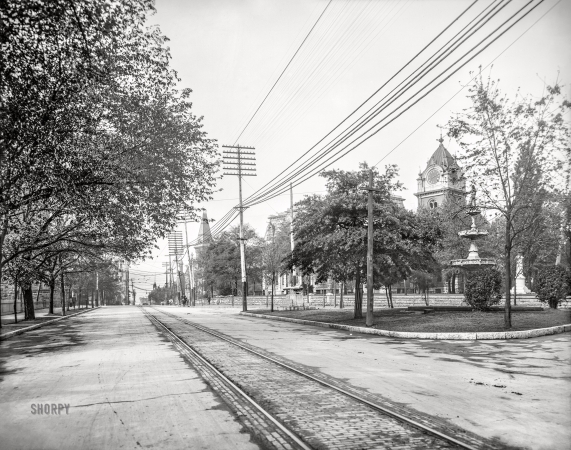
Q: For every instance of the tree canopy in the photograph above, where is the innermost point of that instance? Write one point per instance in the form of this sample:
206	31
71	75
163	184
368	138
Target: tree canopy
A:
514	151
331	232
99	146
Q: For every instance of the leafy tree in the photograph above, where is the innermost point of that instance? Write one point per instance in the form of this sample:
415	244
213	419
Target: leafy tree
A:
95	134
512	151
253	253
483	288
331	232
552	285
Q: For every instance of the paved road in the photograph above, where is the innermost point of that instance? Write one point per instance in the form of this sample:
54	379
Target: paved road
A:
126	387
516	391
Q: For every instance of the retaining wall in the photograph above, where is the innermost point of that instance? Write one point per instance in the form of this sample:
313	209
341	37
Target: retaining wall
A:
399	301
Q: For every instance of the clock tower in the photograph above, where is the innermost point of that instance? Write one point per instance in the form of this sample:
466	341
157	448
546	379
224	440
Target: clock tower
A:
441	181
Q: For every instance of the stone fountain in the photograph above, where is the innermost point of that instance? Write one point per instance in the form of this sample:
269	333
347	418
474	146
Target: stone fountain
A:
473	261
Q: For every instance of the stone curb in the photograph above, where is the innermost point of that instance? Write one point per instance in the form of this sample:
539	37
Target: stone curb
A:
442	336
42	324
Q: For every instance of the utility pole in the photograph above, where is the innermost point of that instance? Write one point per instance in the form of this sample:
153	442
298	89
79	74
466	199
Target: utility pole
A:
291	240
175	248
370	295
127	284
190	274
166	266
233	161
171	284
190	298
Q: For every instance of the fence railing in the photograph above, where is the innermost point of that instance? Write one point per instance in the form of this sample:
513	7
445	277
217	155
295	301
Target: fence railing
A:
329	300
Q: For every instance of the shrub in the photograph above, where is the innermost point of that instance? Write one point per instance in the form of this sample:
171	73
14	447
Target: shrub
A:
551	285
483	288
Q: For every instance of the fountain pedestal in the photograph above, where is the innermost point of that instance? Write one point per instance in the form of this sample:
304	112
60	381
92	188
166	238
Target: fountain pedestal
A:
473	261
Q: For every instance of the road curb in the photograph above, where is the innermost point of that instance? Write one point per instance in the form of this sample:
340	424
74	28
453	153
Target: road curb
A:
503	335
39	325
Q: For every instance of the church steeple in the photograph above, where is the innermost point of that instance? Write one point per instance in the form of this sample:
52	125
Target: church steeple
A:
440	180
204	233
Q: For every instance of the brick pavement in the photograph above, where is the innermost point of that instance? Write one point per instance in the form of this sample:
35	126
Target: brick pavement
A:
324	418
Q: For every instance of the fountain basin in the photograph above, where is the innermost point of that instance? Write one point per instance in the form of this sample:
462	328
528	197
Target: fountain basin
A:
473	233
473	264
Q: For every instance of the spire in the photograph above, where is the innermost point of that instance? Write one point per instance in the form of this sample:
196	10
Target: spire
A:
204	233
441	156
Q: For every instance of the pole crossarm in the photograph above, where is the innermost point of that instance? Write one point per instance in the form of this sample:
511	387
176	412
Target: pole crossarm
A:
234	162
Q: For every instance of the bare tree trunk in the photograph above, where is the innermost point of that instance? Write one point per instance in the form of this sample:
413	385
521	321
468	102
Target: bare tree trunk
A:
62	286
29	302
16	301
507	308
38	293
387	295
341	296
391	295
273	282
358	310
52	290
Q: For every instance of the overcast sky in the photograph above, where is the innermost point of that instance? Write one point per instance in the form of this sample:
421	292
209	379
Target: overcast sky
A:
231	52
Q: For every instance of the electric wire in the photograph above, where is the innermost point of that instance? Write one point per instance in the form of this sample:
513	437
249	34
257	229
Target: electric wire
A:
329	162
288	64
300	159
462	88
276	189
404	89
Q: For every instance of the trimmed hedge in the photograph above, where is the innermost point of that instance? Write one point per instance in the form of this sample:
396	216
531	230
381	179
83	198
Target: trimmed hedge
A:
483	288
551	285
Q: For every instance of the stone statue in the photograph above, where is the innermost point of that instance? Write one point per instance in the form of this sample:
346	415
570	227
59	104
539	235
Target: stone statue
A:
473	197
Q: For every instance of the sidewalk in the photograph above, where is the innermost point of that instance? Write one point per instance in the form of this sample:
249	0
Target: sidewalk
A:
124	386
41	316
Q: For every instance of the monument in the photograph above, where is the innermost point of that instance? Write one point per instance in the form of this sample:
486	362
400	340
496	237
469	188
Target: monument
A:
520	287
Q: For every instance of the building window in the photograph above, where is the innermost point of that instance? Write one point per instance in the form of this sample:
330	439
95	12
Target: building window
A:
433	204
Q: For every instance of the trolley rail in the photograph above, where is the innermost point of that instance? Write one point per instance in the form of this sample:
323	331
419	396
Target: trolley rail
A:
442	440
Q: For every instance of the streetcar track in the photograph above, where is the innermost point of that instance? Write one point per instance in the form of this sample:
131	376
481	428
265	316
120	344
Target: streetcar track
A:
374	406
290	434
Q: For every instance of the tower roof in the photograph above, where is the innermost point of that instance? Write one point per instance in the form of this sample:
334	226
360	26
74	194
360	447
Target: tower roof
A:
204	233
442	157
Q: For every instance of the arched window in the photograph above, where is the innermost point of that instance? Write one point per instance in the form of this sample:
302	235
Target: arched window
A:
433	204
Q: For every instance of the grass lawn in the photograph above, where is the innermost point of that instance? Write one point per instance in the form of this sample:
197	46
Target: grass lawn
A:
436	322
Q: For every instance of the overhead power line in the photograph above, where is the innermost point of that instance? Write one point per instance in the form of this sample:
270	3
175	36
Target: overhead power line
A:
311	169
283	71
341	144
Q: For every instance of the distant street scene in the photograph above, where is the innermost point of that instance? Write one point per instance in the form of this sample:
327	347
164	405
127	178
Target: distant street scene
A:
321	224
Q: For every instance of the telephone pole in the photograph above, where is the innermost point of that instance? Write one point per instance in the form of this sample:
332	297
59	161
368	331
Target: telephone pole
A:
370	295
234	162
166	265
175	249
292	274
190	273
127	284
